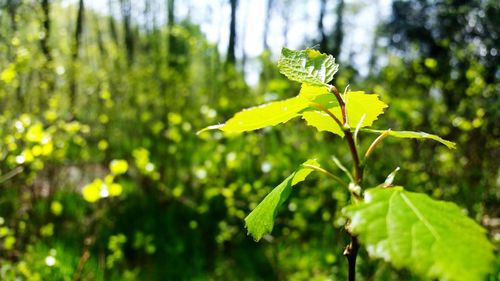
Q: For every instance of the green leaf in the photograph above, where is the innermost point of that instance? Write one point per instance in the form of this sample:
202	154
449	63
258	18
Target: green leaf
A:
357	104
414	135
322	122
307	66
261	220
431	238
258	117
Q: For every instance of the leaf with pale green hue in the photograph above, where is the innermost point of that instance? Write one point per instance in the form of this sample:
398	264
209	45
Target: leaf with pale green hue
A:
307	66
414	135
311	92
431	238
261	220
265	115
322	122
357	104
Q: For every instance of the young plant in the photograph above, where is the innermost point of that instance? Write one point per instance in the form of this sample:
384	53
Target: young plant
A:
431	238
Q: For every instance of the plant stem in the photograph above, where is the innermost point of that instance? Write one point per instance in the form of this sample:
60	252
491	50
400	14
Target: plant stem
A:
334	90
358	176
325	110
376	142
321	170
351	251
358	170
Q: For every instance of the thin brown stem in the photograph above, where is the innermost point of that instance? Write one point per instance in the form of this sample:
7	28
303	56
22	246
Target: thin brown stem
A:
351	251
335	91
325	110
325	172
358	170
376	142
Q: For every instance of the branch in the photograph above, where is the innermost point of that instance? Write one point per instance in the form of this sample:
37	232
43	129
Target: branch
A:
334	90
351	251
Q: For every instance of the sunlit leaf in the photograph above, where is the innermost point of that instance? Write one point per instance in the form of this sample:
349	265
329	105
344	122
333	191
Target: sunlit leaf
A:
307	66
261	220
322	122
311	92
357	104
414	135
258	117
431	238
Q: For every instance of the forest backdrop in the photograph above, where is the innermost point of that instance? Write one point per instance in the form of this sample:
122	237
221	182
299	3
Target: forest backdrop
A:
104	178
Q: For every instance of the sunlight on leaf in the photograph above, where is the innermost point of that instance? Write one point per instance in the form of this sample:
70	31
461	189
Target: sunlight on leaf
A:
258	117
307	66
357	104
430	237
414	135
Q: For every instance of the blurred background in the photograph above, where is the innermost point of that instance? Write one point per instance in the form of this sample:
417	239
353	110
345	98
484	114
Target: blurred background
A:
102	176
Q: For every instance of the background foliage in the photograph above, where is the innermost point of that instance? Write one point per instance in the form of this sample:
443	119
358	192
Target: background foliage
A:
103	177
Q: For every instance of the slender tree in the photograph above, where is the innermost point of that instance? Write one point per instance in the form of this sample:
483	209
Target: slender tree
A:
46	30
126	9
74	55
172	42
112	26
231	57
323	42
338	32
12	6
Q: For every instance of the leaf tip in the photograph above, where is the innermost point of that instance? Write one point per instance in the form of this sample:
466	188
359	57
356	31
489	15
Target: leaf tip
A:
213	127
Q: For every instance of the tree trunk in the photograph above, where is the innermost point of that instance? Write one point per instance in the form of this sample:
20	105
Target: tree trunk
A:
172	42
126	9
112	26
12	6
46	29
74	56
323	42
231	57
338	33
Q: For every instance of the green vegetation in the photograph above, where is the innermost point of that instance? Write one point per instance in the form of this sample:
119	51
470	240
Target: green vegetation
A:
103	177
395	225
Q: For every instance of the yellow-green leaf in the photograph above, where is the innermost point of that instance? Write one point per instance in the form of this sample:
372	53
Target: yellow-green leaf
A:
358	104
311	92
322	122
414	135
258	117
